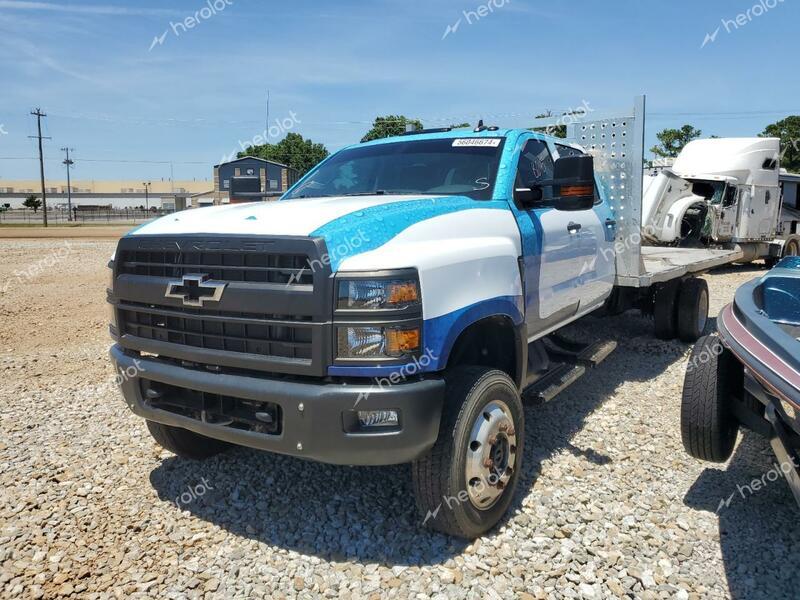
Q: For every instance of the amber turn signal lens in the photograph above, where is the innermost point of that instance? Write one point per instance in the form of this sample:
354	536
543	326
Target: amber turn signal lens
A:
401	341
577	190
403	293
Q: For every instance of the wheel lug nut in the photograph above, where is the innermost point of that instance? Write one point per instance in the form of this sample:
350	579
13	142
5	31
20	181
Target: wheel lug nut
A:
488	463
511	431
500	485
492	440
504	427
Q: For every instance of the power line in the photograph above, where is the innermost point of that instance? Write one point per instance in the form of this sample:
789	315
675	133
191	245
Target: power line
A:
451	118
111	160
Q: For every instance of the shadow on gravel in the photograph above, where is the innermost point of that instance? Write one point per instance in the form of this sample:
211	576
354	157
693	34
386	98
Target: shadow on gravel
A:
368	513
759	529
756	268
550	427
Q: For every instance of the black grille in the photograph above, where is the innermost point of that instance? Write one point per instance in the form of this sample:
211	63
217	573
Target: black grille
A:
255	267
272	316
216	409
263	335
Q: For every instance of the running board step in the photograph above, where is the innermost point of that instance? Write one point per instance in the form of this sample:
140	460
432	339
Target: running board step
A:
589	355
596	353
552	384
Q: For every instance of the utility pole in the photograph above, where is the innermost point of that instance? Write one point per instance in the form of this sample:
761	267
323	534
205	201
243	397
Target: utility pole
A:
147	195
39	114
69	162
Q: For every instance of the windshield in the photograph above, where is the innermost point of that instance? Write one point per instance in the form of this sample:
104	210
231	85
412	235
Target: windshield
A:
463	166
713	191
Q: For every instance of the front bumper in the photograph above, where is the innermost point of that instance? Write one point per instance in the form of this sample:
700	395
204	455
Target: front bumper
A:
314	415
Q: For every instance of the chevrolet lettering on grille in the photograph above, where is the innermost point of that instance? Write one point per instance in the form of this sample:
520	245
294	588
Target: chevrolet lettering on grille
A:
193	289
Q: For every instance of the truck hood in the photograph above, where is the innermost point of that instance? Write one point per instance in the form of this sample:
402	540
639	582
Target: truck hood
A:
285	217
359	223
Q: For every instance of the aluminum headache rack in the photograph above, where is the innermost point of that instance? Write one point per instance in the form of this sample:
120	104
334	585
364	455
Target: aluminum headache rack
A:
616	141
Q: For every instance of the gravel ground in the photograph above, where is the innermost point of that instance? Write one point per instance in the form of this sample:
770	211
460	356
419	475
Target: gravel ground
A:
608	504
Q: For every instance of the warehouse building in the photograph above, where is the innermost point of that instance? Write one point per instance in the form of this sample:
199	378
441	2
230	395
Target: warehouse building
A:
251	179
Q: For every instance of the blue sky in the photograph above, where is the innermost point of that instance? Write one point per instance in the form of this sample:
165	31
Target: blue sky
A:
336	65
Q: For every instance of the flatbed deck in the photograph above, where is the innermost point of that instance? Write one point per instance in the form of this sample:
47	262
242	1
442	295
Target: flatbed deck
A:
663	264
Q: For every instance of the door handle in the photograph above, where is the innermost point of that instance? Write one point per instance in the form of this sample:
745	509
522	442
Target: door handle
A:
574	227
611	223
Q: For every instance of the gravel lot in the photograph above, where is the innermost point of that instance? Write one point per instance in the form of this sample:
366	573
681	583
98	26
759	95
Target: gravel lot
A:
608	502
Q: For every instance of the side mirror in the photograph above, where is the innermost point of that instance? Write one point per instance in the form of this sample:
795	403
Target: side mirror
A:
573	183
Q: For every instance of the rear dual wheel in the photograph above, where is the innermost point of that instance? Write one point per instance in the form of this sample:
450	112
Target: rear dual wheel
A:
692	309
681	309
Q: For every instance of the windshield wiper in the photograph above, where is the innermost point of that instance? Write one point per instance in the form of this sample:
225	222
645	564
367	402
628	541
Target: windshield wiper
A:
384	193
373	193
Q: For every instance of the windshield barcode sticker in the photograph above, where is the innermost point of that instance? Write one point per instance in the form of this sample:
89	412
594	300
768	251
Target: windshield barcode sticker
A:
476	143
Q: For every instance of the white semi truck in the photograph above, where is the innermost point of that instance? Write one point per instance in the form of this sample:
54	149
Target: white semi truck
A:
726	193
398	304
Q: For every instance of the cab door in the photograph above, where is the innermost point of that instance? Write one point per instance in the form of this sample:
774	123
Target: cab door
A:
597	244
552	245
725	215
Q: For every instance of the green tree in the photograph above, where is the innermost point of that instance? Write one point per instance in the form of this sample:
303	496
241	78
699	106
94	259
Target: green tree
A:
559	131
788	130
460	125
293	150
388	126
672	141
32	202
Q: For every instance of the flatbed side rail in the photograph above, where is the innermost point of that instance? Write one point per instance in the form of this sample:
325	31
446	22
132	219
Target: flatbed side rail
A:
617	143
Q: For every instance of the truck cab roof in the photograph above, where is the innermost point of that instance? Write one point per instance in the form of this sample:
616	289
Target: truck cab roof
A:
465	133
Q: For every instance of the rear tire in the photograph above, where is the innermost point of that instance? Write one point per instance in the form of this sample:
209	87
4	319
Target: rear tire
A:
477	399
708	425
185	443
665	310
692	309
792	248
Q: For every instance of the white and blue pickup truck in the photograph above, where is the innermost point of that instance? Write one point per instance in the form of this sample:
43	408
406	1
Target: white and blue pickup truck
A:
394	306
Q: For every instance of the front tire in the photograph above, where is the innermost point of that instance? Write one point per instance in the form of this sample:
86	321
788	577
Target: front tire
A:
465	484
185	443
708	425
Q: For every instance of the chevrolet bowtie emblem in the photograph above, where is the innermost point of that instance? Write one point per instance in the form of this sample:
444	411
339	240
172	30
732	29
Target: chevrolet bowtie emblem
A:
195	288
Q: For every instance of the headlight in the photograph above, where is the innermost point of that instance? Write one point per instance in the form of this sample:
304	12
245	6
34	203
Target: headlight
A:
378	315
365	294
377	342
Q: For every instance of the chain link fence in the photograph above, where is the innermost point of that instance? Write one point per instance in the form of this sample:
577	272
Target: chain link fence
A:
79	216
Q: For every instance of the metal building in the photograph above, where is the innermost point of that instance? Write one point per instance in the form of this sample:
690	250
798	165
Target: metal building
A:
251	179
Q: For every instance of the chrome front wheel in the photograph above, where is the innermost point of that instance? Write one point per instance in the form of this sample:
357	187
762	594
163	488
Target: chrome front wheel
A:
491	454
466	483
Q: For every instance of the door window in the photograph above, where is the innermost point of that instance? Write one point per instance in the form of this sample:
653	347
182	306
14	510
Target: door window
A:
536	166
567	151
730	196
